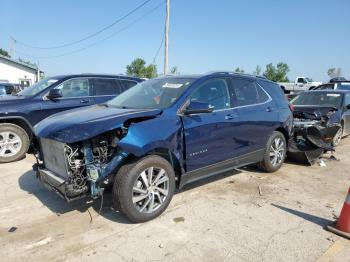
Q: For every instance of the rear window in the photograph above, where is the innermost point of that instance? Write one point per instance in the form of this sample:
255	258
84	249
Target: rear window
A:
275	91
343	86
247	92
318	99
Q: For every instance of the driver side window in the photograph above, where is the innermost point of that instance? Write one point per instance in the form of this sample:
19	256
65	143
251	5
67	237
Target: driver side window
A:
76	87
214	92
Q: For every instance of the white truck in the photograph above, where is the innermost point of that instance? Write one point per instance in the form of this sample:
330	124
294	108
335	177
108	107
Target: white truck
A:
300	84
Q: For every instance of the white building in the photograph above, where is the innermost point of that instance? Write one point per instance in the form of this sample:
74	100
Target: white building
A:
16	72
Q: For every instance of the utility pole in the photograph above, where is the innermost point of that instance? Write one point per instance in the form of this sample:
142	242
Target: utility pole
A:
166	37
38	73
13	47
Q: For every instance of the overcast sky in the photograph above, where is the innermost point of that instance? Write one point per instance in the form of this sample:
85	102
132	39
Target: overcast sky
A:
310	36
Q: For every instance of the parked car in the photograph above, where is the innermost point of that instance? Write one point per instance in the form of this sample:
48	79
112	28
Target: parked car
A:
18	114
300	84
341	85
7	89
162	134
330	106
338	79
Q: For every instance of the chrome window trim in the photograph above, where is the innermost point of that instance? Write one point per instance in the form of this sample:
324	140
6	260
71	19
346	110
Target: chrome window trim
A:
87	77
235	107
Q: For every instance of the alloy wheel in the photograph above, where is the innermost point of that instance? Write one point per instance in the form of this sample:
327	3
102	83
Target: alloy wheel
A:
338	137
150	190
10	144
277	151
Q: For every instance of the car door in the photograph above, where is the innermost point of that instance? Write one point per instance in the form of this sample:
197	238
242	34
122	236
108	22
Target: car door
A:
76	92
346	114
105	89
257	112
209	137
300	84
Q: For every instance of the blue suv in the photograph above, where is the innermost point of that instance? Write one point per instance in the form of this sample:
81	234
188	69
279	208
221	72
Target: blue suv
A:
161	134
19	113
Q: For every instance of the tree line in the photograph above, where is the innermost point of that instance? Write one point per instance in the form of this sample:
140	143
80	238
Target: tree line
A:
278	73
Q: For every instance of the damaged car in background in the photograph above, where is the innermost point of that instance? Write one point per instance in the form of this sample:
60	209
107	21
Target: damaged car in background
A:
160	135
321	120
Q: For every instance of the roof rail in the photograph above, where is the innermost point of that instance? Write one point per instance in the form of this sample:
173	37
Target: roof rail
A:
218	72
235	73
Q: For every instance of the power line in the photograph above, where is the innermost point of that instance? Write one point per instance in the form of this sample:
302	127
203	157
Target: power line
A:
89	36
158	50
99	41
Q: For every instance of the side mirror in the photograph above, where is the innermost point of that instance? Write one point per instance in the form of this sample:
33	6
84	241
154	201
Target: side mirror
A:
348	106
54	94
196	107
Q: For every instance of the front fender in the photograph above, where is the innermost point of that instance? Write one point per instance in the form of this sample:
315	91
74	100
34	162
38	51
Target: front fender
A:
144	137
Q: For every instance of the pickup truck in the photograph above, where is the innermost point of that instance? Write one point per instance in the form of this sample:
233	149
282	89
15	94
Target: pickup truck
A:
300	84
161	134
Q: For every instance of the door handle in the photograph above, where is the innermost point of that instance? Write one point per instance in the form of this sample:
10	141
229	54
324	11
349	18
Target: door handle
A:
268	109
84	101
229	117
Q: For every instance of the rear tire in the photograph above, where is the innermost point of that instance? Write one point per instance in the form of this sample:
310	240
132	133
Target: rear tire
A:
142	190
14	143
275	153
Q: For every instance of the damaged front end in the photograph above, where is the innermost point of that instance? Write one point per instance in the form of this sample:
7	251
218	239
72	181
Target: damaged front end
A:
80	169
314	131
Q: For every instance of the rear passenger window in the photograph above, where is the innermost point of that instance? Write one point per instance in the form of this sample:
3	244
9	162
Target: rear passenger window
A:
127	84
105	87
247	92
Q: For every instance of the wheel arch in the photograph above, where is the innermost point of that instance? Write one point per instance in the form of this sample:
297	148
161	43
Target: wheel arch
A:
284	132
21	122
165	153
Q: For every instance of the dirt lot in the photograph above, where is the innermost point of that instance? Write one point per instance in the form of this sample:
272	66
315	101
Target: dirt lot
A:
223	218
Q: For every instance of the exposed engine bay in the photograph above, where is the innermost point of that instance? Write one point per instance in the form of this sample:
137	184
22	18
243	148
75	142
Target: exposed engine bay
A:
83	167
313	135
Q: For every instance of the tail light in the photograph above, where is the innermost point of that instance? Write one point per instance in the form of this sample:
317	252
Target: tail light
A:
291	107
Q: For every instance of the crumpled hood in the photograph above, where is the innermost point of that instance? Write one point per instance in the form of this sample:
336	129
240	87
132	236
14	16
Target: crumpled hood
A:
87	122
318	111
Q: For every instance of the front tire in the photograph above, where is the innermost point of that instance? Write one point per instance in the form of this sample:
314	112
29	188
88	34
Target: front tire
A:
14	143
275	153
143	189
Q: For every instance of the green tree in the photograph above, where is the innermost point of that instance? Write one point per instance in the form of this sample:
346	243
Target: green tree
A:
138	68
27	62
3	52
239	70
278	73
174	70
257	70
334	72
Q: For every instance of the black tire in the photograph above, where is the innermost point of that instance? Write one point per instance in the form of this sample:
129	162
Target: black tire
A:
23	136
266	164
124	183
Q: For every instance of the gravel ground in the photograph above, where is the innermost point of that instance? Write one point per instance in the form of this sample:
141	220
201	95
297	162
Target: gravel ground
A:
217	219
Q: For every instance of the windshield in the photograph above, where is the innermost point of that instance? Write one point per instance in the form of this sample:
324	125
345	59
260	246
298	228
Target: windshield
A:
152	94
308	79
343	86
38	87
318	99
2	91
